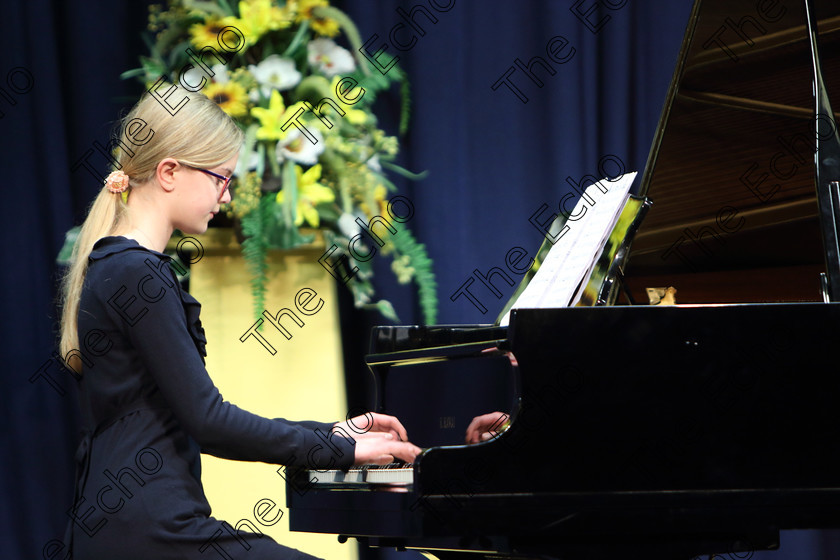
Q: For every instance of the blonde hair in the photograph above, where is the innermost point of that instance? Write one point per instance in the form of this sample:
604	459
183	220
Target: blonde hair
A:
196	132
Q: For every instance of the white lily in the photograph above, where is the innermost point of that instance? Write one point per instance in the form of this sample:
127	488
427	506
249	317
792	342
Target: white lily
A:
329	58
347	225
296	147
194	76
373	164
275	72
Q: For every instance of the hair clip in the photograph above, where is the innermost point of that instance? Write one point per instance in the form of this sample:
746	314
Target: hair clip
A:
117	182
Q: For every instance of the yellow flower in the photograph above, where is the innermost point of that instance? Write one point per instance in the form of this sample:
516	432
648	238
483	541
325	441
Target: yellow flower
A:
327	27
310	193
304	8
205	34
230	96
274	117
257	17
323	26
248	195
356	117
379	194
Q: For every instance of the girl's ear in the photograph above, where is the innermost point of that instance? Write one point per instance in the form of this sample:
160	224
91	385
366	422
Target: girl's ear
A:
165	173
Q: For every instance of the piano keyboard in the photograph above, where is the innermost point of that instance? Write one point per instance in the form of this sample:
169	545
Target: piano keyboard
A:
392	474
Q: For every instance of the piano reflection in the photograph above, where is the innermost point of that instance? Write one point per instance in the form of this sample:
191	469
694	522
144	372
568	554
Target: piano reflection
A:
705	427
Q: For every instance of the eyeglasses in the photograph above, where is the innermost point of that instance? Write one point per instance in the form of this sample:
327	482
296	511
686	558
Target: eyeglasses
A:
225	180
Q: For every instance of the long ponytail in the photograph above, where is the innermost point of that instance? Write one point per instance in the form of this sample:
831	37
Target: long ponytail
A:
199	133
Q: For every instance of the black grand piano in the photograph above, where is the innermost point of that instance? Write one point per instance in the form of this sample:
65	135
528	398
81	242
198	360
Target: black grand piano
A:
721	425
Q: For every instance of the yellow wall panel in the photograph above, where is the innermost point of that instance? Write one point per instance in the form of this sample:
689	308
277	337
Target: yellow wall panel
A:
304	380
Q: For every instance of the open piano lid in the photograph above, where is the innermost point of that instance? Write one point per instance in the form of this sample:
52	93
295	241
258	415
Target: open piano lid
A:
687	432
731	169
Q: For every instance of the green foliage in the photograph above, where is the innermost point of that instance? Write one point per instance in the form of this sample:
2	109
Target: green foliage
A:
343	175
412	258
405	105
255	250
66	251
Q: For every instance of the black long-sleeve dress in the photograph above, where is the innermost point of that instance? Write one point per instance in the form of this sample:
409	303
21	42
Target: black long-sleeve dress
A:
149	408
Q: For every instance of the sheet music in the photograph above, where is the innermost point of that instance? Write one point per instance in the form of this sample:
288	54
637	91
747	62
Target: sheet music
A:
561	278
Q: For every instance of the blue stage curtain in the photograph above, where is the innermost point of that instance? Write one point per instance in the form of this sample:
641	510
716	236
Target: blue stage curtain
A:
63	61
492	161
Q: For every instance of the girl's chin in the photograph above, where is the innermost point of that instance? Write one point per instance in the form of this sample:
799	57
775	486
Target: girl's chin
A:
195	229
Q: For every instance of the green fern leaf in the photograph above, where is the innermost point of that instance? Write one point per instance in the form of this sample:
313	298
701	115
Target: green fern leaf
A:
424	276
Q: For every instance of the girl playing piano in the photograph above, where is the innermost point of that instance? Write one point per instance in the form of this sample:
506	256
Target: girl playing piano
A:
134	337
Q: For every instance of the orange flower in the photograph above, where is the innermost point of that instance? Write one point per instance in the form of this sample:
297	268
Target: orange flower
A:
117	182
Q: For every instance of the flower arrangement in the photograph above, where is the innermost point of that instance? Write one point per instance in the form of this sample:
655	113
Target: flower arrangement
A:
305	163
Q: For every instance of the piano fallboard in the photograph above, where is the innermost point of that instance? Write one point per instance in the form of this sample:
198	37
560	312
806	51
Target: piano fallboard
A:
720	420
407	519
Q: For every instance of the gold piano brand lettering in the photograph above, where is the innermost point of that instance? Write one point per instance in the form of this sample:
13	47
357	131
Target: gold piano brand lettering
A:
446	422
